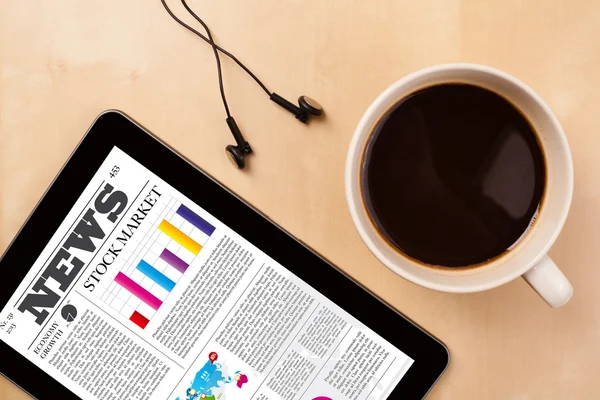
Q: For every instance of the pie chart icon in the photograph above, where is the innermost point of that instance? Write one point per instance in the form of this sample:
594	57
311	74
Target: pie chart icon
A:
69	312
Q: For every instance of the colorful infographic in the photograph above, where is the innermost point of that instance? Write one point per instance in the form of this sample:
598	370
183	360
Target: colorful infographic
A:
211	381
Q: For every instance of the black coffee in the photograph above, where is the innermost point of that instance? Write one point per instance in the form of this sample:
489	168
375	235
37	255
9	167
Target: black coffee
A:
453	175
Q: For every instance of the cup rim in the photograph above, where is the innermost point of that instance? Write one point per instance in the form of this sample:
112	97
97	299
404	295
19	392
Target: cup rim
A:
355	201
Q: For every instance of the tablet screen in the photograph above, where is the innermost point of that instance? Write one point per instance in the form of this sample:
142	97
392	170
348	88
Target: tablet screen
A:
142	294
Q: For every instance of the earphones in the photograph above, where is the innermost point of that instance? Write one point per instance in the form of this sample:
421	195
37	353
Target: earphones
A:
238	152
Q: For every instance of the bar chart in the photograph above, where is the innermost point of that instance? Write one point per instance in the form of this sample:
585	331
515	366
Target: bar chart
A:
156	260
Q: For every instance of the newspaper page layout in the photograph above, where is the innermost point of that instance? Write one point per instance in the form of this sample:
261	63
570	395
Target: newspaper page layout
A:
142	294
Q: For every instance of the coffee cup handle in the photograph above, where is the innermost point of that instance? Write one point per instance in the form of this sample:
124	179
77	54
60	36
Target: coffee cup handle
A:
549	282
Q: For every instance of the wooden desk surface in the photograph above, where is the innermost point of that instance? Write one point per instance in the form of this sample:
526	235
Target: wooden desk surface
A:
63	62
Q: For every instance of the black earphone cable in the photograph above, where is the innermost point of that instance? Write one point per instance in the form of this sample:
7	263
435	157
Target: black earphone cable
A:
213	44
214	47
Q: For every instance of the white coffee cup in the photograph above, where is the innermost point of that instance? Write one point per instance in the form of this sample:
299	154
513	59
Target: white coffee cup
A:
528	257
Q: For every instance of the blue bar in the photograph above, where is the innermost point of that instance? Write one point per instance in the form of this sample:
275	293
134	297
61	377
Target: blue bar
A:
155	275
195	220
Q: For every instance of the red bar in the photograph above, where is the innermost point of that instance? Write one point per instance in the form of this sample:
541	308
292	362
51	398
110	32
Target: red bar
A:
139	319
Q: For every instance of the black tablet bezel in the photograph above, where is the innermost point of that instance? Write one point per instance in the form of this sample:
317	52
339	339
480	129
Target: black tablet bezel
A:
113	128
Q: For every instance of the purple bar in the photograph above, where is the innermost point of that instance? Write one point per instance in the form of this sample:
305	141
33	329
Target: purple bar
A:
174	261
195	220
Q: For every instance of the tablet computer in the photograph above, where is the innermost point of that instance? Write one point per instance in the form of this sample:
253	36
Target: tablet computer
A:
138	276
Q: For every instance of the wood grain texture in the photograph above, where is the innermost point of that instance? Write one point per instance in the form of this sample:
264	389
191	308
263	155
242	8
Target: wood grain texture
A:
62	62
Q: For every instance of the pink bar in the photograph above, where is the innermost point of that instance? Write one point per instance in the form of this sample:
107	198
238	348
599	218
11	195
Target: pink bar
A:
138	291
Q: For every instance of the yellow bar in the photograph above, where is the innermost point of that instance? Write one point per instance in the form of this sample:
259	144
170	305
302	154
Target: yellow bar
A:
180	237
